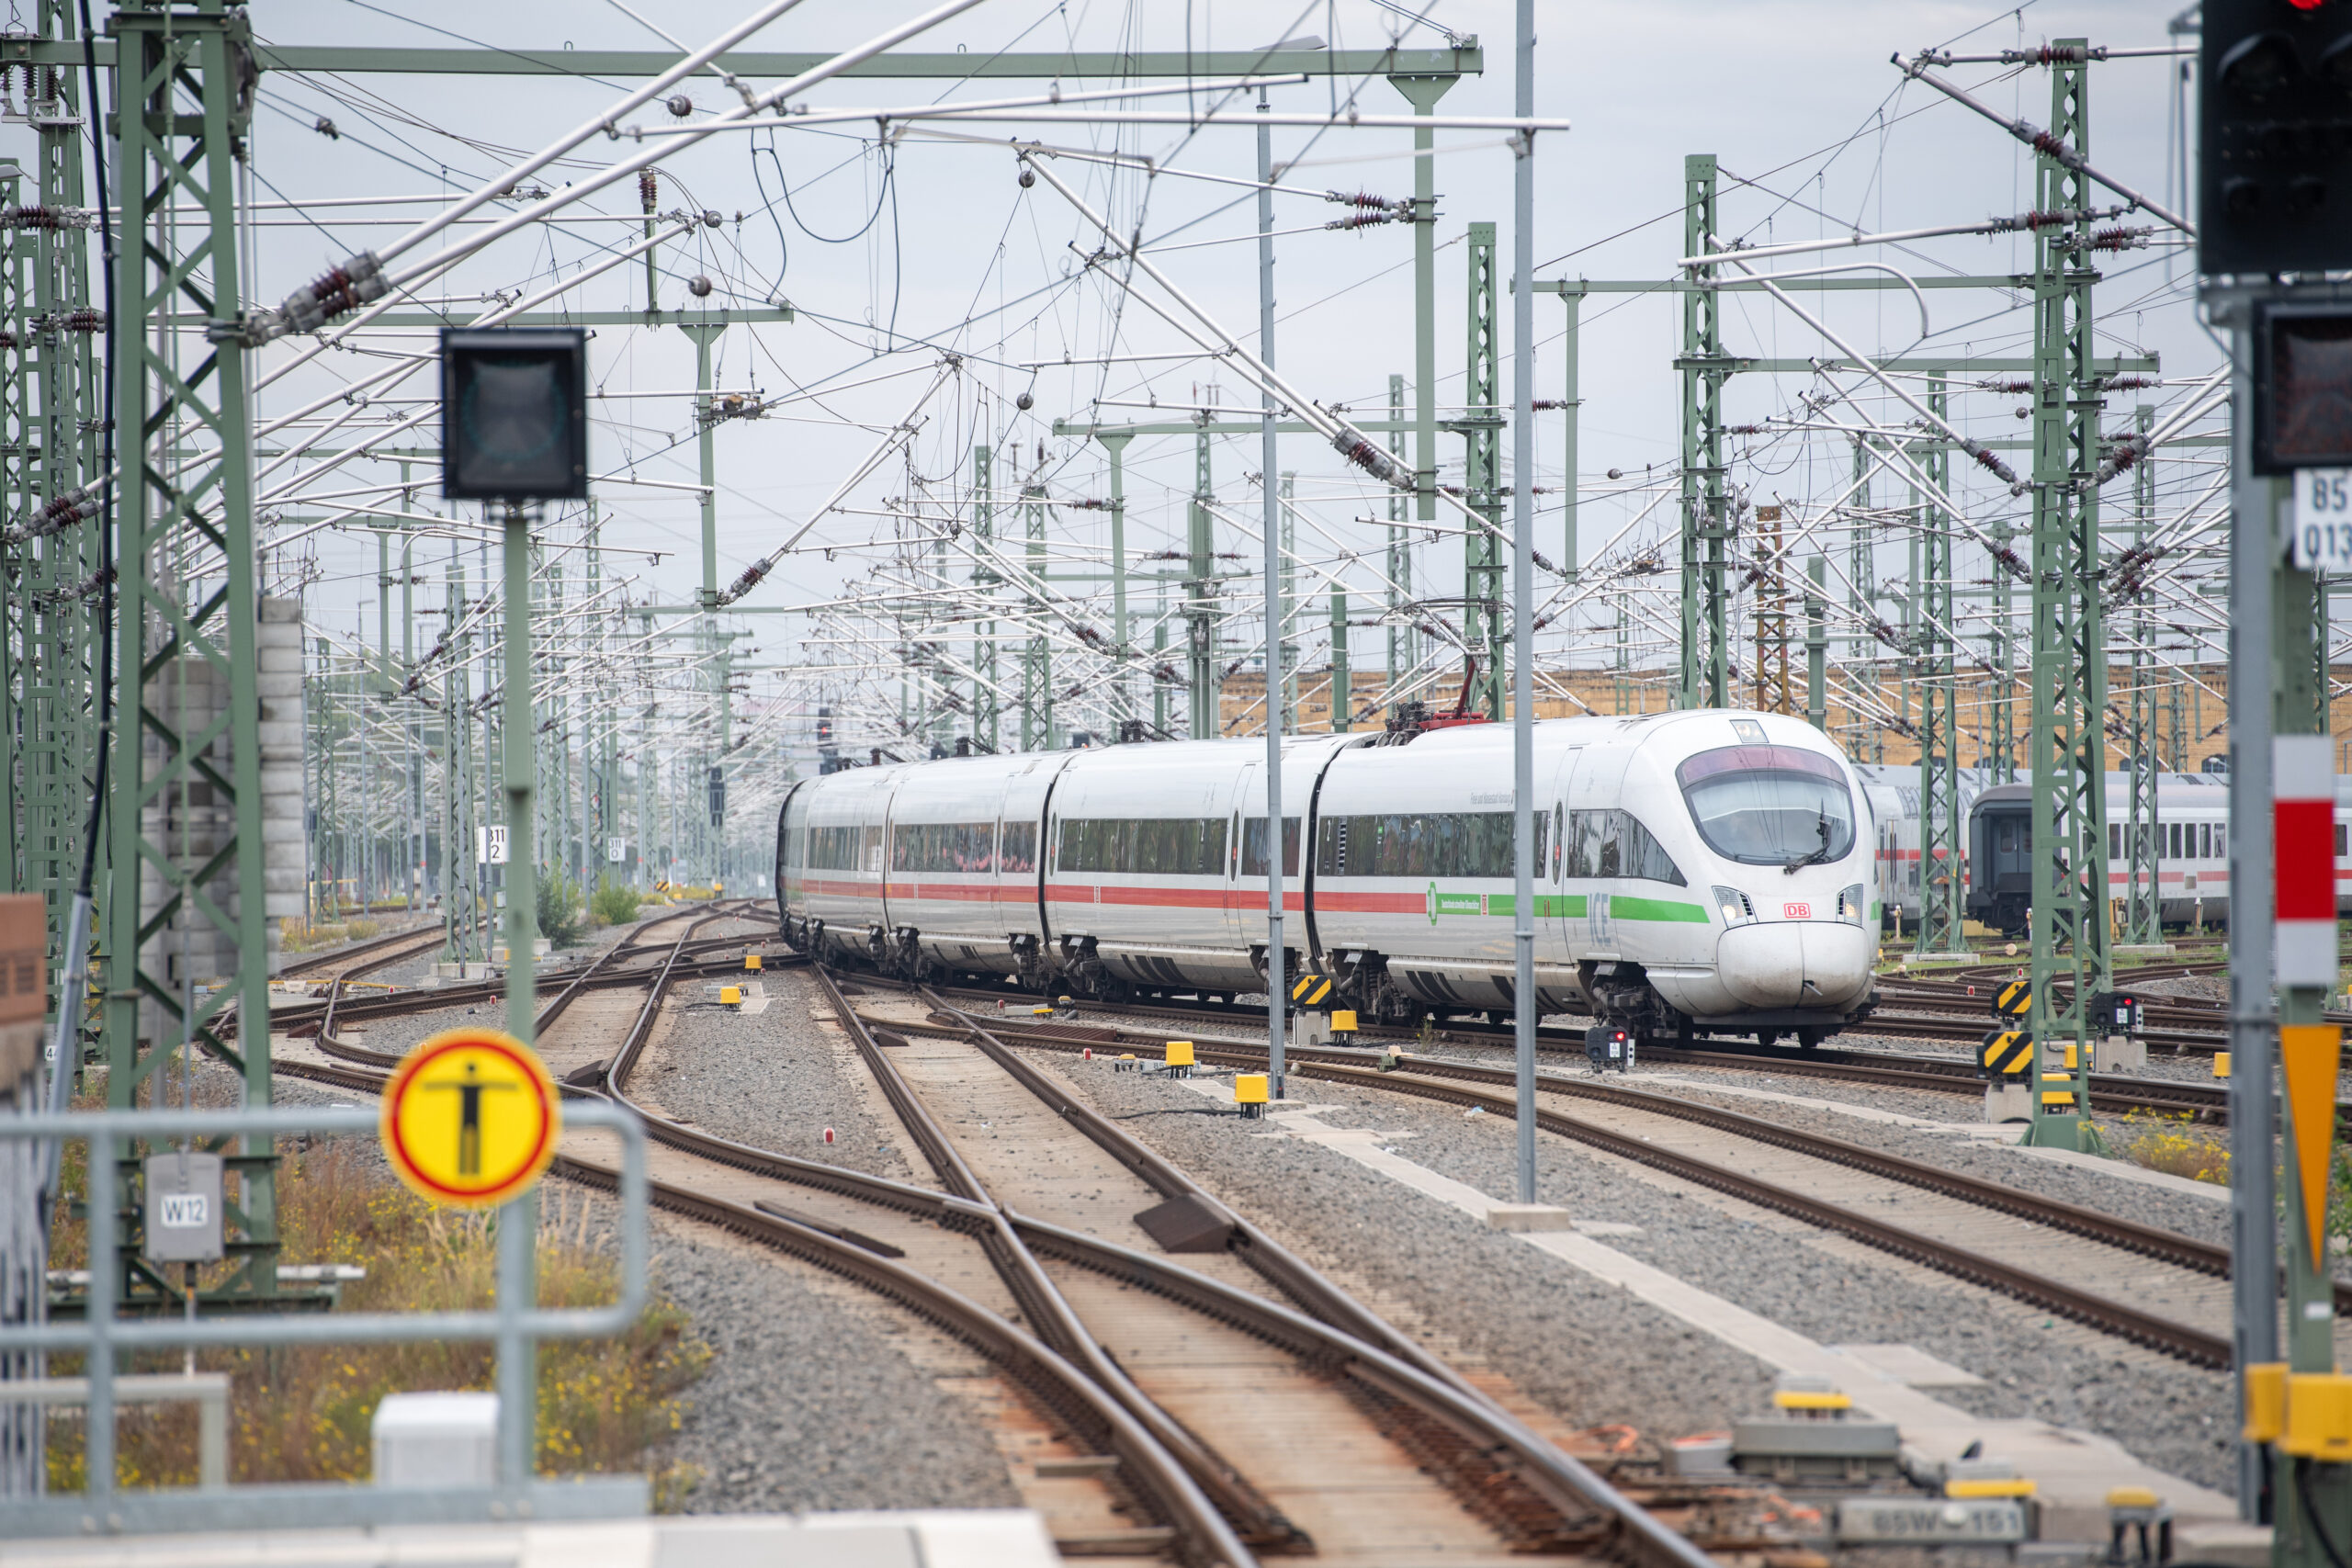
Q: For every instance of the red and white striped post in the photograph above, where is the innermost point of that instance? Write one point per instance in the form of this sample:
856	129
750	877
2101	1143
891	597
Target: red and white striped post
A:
2303	850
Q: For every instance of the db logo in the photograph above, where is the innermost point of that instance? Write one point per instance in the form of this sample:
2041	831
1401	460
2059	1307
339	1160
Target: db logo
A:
1796	912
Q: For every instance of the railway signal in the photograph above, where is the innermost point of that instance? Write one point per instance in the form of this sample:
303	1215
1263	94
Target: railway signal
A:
514	414
2275	175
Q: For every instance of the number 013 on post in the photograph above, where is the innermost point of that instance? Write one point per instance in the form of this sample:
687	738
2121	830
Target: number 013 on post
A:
2322	525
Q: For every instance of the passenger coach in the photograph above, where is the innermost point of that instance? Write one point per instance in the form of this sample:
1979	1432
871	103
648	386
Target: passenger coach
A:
1696	873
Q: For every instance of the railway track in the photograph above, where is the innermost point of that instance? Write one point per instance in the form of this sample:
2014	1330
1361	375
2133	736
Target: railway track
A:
2116	1254
1027	1292
2113	1092
354	959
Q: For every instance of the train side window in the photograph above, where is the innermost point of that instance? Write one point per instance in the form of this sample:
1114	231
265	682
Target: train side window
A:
2115	840
2008	839
1558	826
2339	841
2220	840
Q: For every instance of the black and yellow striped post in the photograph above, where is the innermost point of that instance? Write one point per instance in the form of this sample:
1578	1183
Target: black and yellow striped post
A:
2302	1408
1313	990
2006	1054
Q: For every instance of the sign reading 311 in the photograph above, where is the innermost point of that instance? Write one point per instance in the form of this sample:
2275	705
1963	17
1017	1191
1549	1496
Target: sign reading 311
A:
2323	528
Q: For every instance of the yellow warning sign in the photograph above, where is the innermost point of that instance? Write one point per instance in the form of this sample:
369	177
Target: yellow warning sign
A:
2014	999
2309	1057
471	1118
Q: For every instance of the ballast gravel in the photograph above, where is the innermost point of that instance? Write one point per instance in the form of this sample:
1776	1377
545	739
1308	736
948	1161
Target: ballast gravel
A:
811	1401
1583	1349
1593	1354
775	1079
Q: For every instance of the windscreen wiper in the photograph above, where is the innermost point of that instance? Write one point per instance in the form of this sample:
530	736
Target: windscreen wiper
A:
1817	856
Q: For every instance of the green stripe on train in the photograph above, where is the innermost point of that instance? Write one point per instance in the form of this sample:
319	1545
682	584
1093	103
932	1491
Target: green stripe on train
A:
1575	905
1569	905
1621	907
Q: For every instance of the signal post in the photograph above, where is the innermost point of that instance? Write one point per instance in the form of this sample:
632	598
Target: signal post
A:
2273	222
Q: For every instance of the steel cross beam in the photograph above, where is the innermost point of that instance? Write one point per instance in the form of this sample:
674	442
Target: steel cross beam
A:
2067	743
1466	59
185	800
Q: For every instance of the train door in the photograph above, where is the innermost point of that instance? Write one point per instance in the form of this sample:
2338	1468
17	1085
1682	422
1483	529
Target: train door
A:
1591	871
1567	910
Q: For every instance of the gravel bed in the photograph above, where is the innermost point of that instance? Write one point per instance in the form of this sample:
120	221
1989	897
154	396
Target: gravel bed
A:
1574	1345
396	1033
2141	1203
774	1079
1579	1347
811	1401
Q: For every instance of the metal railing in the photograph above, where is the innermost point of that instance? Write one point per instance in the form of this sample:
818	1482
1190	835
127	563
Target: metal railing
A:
514	1327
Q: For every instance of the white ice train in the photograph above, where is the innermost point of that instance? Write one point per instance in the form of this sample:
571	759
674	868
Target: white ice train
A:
1698	873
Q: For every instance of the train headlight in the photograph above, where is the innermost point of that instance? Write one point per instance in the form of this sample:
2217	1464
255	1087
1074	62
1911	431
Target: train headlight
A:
1850	905
1736	909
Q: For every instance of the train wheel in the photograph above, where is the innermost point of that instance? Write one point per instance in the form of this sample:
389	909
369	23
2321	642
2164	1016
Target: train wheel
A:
1807	1039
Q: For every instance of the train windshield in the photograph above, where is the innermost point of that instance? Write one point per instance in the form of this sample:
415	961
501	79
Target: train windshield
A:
1770	805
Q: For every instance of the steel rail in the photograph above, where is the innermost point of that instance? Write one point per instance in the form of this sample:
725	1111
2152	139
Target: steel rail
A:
1456	1084
1335	1326
1240	1504
1147	1473
2109	1091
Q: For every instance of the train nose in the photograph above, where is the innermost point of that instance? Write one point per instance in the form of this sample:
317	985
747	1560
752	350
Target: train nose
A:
1795	963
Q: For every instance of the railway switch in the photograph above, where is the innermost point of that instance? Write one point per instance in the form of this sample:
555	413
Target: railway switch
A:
1126	1062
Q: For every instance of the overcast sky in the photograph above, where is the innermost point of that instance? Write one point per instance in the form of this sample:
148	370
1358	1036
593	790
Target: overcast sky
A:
1817	133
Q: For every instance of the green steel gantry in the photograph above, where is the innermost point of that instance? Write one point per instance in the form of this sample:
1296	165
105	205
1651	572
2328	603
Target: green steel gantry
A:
1937	661
1481	426
1706	652
50	455
1199	592
184	811
2067	744
2142	824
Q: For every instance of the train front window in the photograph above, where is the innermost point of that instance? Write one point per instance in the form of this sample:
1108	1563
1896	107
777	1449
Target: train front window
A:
1770	805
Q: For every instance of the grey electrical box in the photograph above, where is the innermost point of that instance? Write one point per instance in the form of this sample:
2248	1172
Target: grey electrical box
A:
183	1209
